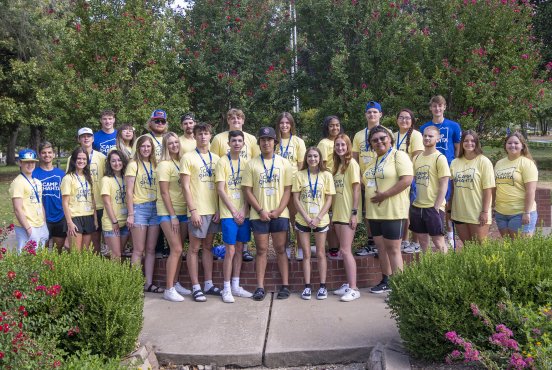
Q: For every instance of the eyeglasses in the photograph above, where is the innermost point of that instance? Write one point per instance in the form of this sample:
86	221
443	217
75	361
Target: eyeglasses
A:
128	129
404	118
160	122
383	139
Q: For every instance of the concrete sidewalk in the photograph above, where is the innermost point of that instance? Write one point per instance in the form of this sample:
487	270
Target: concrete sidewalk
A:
272	333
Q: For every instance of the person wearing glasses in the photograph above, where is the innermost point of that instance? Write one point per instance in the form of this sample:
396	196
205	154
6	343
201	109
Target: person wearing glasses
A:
187	141
386	180
157	126
106	138
125	140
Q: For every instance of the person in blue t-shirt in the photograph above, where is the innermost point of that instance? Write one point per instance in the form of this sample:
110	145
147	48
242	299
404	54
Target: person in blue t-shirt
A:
106	138
448	145
50	177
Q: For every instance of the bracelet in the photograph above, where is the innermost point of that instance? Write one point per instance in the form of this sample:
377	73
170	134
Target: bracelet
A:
260	210
191	210
173	217
484	211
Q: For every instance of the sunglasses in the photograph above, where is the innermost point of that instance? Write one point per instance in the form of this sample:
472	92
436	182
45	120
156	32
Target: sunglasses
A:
160	122
383	139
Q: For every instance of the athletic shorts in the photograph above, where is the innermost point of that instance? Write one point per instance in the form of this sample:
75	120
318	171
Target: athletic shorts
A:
57	229
167	218
306	229
427	221
38	234
275	225
123	231
207	227
389	229
145	214
85	224
232	232
513	222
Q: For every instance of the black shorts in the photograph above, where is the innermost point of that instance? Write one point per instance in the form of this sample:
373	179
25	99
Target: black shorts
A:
275	225
389	229
306	229
99	214
85	224
57	229
427	221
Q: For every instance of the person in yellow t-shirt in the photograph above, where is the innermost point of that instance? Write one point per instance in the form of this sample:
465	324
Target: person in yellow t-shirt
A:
141	196
124	141
516	178
312	191
187	141
266	184
472	193
26	195
78	200
386	180
234	216
431	174
345	204
172	213
197	174
113	190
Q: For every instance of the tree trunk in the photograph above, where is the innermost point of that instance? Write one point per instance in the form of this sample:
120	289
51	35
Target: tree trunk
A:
36	137
10	155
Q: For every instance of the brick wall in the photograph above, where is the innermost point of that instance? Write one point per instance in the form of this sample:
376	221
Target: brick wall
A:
544	207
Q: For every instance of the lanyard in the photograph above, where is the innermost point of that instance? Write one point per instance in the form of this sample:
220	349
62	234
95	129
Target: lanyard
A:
366	142
121	188
148	174
382	159
154	138
83	186
35	188
235	178
90	157
269	177
210	168
177	167
313	191
282	152
399	142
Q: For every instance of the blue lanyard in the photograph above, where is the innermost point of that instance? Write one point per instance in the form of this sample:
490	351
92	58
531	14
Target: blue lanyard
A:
399	142
154	138
269	177
366	142
282	152
177	167
235	178
148	174
382	159
90	157
210	168
313	191
83	186
121	188
35	188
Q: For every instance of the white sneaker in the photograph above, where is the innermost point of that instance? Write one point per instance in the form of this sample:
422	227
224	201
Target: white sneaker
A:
410	249
307	293
227	296
416	246
350	295
342	290
181	290
299	255
172	295
404	244
288	252
240	292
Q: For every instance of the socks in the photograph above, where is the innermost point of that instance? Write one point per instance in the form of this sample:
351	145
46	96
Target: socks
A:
235	282
208	284
450	235
322	285
385	279
308	286
196	287
226	285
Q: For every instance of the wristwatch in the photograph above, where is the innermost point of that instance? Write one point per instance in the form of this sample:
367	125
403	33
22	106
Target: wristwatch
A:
354	211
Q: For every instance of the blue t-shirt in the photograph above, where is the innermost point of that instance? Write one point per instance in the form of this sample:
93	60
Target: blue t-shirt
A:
450	135
51	192
104	142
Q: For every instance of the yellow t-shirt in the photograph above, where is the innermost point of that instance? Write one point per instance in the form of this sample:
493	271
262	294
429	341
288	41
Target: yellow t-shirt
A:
326	147
342	202
268	192
116	189
169	171
80	195
365	153
202	184
313	204
186	145
416	142
220	147
97	170
470	177
293	150
145	181
390	167
511	177
223	173
427	172
32	206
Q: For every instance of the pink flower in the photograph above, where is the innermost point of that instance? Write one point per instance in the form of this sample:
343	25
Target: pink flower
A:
456	354
501	328
460	26
524	56
17	294
11	275
549	66
517	361
364	86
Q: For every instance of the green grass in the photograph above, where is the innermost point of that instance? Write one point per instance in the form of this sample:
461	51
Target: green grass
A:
6	210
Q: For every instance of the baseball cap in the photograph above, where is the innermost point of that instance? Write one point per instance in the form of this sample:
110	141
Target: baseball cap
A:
27	155
373	104
159	114
267	132
188	115
85	130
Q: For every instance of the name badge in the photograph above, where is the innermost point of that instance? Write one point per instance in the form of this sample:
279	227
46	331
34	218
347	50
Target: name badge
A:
314	210
39	211
151	196
269	191
371	183
87	208
124	211
236	195
211	186
366	160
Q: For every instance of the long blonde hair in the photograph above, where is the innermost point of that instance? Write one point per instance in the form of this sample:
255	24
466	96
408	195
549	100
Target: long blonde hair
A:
166	154
348	155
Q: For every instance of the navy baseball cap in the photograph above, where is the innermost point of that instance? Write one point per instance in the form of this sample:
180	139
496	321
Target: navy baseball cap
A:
159	114
27	155
267	132
373	104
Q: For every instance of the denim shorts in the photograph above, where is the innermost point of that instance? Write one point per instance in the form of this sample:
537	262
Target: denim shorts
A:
513	222
275	225
232	232
123	231
167	218
145	214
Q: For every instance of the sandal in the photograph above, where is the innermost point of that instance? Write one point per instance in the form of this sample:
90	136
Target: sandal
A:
259	294
284	293
152	288
214	291
199	296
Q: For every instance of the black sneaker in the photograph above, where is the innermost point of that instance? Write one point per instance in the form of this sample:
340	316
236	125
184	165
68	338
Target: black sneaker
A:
380	288
247	257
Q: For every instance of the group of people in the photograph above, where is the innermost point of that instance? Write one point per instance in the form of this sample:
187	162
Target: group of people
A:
196	185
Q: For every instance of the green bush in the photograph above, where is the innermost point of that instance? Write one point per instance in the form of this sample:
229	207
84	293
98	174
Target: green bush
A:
433	296
87	361
106	297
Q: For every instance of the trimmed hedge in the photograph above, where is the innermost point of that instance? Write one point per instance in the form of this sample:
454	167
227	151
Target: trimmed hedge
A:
433	296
